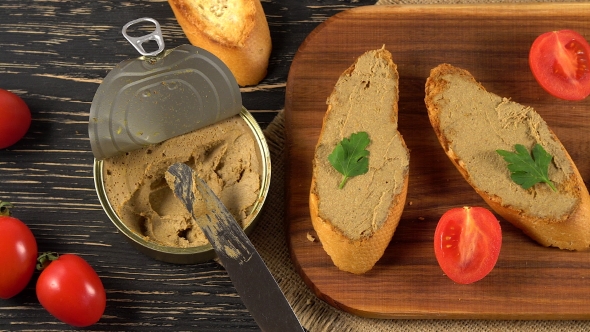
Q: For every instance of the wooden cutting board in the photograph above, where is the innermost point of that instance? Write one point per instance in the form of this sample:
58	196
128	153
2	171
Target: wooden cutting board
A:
492	42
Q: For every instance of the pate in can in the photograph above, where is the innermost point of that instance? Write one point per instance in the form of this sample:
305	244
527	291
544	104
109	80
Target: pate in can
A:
135	197
182	105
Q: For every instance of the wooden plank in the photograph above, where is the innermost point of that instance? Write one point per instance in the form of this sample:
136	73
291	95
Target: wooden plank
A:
492	42
54	54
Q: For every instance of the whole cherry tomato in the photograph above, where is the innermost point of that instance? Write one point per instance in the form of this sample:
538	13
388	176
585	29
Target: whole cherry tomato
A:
560	62
15	118
467	243
70	290
18	254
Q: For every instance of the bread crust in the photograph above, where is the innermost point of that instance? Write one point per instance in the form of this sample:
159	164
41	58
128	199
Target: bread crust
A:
357	256
572	232
240	37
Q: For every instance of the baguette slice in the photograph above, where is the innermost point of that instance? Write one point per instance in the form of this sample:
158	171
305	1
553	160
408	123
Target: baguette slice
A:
235	31
471	124
356	223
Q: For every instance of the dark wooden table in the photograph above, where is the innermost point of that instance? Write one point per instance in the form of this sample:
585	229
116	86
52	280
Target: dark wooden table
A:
54	54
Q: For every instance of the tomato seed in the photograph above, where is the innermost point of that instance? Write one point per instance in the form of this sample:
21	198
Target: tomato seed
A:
581	59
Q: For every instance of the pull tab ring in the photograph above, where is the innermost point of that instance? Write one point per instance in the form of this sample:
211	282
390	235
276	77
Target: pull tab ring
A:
137	42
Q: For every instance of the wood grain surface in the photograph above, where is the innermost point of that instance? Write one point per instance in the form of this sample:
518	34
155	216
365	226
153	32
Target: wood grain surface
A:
492	42
54	54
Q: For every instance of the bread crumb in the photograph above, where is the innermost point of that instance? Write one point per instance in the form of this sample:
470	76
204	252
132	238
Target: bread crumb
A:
310	237
410	203
420	218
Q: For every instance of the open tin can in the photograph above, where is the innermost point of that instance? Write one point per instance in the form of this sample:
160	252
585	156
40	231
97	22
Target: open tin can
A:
156	97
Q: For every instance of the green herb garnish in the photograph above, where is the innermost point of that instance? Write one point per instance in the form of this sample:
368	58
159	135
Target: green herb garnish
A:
526	170
350	156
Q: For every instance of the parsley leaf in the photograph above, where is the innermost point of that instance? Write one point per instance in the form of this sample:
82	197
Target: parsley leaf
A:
526	170
350	156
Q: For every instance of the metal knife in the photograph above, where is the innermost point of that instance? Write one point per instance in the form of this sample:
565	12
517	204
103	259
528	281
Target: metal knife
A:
255	284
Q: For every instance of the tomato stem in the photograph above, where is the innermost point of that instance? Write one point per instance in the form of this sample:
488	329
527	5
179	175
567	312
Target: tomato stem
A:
45	259
5	208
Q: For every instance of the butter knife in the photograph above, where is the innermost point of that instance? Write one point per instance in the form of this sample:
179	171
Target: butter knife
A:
249	274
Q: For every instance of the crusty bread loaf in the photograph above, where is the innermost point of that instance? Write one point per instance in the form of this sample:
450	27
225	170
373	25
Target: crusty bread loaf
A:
356	223
471	124
235	31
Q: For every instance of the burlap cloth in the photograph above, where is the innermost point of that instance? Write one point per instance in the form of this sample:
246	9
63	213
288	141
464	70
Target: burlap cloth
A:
315	315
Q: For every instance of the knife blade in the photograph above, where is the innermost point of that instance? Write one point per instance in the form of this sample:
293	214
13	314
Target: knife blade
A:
249	274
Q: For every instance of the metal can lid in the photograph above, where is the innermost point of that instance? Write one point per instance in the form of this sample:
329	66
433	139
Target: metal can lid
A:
149	99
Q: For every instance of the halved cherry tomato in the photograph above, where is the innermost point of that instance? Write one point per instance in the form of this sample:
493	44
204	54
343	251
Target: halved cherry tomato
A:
467	243
18	254
15	118
70	290
560	62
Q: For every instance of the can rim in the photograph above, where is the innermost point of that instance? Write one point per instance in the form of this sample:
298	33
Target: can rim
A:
265	178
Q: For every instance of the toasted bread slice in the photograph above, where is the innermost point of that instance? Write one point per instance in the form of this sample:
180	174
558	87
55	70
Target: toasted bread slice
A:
471	124
235	31
356	223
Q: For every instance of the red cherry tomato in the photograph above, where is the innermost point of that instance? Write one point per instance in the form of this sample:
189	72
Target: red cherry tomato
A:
467	243
70	290
560	62
18	255
15	118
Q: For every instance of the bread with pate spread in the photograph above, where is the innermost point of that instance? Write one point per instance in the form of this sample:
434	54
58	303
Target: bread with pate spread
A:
356	223
471	124
235	31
